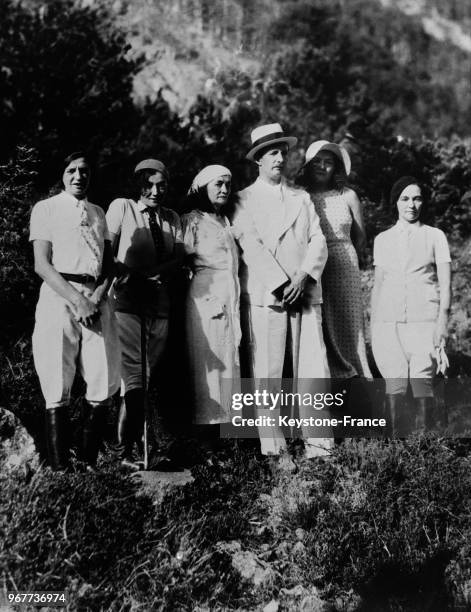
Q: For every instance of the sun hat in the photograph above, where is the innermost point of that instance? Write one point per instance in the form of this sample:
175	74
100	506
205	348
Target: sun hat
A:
266	135
206	175
324	145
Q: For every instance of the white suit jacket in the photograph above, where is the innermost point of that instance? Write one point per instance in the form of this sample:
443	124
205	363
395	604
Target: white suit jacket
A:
298	244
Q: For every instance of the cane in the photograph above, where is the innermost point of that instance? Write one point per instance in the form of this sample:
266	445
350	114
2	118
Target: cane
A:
144	388
296	343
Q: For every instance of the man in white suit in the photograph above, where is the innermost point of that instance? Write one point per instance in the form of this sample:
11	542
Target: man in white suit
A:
283	255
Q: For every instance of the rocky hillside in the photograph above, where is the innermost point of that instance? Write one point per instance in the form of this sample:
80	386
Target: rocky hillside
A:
186	43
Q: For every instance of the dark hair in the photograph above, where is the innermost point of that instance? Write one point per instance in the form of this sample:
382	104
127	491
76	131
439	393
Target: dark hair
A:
198	200
73	156
399	187
141	177
338	180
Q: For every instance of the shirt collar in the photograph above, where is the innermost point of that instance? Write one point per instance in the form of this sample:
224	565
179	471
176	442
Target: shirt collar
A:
278	189
71	198
141	207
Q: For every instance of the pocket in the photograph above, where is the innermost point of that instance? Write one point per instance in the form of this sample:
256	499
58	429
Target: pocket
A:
213	307
432	294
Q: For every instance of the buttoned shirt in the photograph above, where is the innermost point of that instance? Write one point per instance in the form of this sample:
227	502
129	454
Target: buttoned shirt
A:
408	254
136	249
58	220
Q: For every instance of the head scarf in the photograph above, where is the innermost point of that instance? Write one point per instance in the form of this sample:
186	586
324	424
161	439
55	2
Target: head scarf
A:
152	164
399	187
206	175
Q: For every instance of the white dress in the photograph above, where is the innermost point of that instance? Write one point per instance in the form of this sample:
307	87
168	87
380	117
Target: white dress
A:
212	316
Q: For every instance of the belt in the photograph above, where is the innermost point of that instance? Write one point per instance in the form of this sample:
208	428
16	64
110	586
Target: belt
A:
78	278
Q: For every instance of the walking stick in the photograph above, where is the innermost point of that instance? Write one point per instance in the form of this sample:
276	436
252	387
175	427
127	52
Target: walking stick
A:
144	389
296	343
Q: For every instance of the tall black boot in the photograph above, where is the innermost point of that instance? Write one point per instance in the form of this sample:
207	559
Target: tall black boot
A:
93	427
58	437
131	426
394	408
423	414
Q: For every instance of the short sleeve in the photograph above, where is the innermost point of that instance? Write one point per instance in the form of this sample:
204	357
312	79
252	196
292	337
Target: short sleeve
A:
188	233
115	216
40	222
440	247
106	233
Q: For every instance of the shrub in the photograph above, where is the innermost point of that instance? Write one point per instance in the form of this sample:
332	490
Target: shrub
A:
100	538
382	518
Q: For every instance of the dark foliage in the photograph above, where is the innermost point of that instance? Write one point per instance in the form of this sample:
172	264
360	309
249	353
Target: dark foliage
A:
66	80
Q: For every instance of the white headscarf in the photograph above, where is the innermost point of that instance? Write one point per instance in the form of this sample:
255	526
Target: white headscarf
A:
206	175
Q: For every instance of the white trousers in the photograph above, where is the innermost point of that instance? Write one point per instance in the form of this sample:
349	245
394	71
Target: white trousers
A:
271	331
404	353
61	345
129	326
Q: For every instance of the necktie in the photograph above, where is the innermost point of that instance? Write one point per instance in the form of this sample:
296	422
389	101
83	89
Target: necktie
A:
89	239
157	235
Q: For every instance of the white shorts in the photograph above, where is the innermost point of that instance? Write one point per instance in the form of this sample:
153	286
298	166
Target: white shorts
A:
404	353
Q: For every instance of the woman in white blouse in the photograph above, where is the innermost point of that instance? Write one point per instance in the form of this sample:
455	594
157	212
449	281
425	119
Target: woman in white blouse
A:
212	314
410	304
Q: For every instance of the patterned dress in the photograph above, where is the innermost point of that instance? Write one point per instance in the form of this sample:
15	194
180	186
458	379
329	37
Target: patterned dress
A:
342	309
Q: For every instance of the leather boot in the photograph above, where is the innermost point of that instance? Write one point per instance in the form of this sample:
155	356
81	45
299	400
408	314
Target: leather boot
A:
93	426
394	408
58	437
423	414
131	426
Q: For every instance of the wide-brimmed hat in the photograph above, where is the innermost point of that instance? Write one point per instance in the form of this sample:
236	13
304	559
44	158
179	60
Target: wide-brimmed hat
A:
266	135
324	145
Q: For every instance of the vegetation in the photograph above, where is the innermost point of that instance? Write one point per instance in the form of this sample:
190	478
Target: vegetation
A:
376	511
381	525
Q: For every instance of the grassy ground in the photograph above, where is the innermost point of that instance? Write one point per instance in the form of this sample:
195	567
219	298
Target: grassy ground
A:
381	526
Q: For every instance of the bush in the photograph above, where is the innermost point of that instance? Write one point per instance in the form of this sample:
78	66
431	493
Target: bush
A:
66	80
17	278
382	518
97	536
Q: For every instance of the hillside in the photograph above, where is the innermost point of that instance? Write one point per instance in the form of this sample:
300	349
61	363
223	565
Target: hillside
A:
188	43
